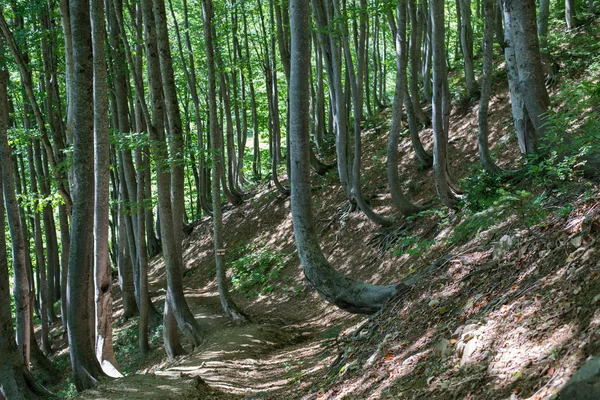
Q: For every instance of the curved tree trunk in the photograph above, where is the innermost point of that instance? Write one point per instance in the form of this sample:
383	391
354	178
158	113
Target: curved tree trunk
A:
339	290
402	203
227	303
440	106
169	186
356	88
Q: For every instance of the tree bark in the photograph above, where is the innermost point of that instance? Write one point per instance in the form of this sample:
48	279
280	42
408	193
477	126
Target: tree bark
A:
227	303
440	106
466	41
339	290
21	283
402	203
102	268
14	376
85	366
486	88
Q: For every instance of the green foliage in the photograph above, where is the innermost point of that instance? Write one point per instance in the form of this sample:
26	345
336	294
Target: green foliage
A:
413	245
255	269
481	190
126	346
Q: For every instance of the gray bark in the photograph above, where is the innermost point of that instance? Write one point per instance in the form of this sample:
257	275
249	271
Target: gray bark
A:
440	106
85	366
402	203
486	88
227	303
12	370
542	24
529	97
466	40
102	268
23	306
339	290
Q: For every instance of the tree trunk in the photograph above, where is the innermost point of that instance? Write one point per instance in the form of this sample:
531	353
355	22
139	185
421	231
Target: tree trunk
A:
102	268
341	291
16	383
85	366
440	106
21	283
529	97
39	259
405	206
169	186
542	24
466	41
230	308
570	14
486	88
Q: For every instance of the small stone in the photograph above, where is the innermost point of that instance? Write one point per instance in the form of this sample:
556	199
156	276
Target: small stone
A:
434	303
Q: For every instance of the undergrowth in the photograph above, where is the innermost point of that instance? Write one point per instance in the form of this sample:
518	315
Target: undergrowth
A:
255	269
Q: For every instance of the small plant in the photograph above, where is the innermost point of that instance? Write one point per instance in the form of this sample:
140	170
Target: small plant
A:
255	269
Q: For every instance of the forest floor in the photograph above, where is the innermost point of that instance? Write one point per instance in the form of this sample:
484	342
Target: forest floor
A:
505	303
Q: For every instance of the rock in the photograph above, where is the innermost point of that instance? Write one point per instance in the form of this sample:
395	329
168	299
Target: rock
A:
434	303
442	348
584	384
502	247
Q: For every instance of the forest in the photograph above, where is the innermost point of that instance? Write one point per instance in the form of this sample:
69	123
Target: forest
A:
324	199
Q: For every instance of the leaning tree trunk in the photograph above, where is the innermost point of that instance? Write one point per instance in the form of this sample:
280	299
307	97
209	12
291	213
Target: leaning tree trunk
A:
440	107
85	365
402	203
333	286
356	90
168	211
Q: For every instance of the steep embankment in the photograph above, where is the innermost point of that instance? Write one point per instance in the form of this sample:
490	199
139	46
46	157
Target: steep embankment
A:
506	304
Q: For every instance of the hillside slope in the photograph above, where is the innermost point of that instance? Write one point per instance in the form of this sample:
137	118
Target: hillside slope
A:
506	295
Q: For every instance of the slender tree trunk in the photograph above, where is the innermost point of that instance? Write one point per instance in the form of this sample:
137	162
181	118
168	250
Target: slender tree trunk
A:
102	268
486	88
440	106
405	206
570	14
230	308
169	185
542	24
21	283
16	382
466	41
39	259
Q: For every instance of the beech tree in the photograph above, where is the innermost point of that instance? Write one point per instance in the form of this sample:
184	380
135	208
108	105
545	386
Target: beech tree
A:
85	365
346	293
